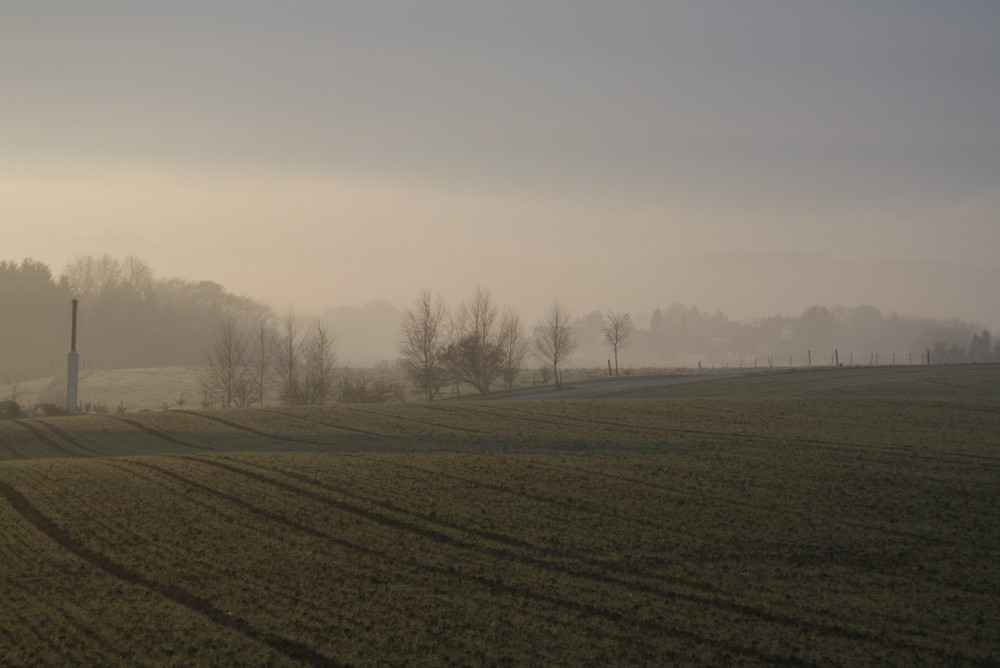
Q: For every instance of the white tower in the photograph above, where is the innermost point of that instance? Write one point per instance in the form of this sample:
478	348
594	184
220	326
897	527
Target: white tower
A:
73	368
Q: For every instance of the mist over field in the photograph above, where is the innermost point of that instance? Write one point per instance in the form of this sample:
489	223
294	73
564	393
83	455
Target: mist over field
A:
722	173
572	332
130	318
750	160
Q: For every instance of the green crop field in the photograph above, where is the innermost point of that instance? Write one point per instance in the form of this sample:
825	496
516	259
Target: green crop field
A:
829	517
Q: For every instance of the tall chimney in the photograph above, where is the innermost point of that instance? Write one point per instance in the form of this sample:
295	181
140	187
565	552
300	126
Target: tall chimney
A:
73	368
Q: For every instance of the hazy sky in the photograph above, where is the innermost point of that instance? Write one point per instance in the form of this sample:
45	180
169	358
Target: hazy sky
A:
322	152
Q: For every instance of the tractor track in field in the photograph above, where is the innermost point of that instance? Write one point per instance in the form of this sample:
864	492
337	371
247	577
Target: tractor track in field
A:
334	425
392	507
162	435
726	606
439	425
558	419
253	430
94	635
479	484
331	539
487	535
496	585
680	495
465	481
290	648
487	583
61	433
123	465
288	439
45	438
255	511
553	419
12	449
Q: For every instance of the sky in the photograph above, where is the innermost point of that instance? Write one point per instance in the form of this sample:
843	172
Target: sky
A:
622	155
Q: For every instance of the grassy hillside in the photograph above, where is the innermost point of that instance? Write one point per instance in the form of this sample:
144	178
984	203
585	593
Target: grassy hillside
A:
803	529
135	389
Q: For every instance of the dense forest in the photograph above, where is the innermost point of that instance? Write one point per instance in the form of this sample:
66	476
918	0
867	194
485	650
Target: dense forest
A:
130	319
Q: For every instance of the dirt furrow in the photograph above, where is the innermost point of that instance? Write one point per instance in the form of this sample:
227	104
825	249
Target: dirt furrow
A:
61	433
784	510
45	438
13	450
492	585
553	419
504	539
250	430
294	650
439	425
606	425
162	435
354	430
724	605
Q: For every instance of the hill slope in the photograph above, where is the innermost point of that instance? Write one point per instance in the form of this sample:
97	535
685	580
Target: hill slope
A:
769	529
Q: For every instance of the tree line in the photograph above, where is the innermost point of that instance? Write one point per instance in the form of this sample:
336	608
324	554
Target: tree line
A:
680	335
478	343
257	360
131	318
128	317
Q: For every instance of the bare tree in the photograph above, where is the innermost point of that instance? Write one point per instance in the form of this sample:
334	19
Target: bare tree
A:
553	342
422	343
473	356
617	331
372	386
88	275
319	365
227	375
262	353
513	347
12	386
136	276
288	359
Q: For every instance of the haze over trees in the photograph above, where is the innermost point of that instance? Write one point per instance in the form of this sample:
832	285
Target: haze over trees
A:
477	344
129	318
617	332
553	341
423	338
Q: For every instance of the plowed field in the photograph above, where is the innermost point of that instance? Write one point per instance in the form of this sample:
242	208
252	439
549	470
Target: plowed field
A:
768	530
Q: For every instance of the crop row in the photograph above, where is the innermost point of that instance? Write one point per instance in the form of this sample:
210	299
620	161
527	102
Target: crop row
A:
613	555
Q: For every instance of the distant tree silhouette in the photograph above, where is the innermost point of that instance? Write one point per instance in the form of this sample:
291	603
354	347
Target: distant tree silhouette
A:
553	341
227	375
617	332
319	365
423	341
473	356
513	347
981	347
288	359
